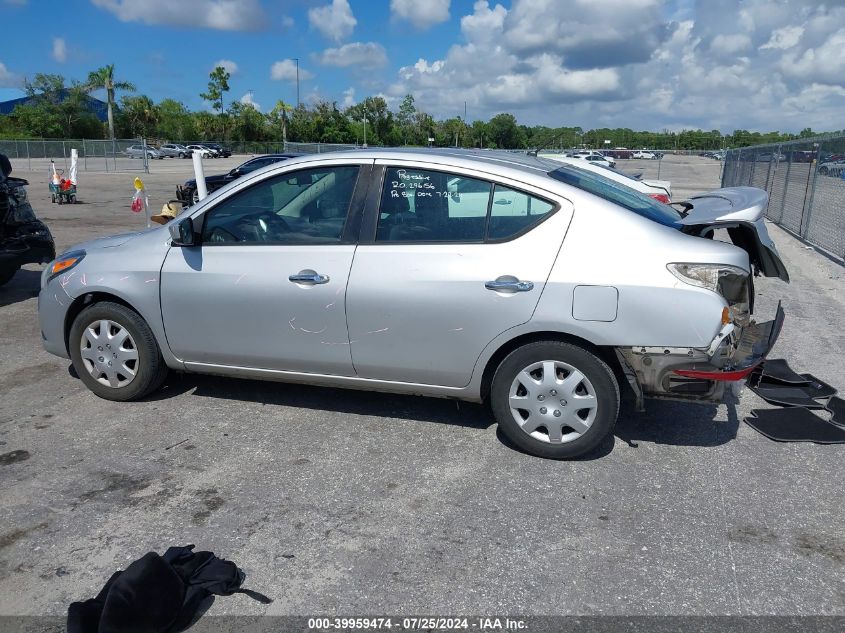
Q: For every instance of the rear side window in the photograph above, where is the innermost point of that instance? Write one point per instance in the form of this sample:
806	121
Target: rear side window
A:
419	205
513	212
607	189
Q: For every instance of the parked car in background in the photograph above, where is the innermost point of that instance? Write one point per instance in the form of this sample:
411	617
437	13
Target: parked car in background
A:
202	151
24	239
138	151
222	152
832	168
660	190
645	154
188	191
367	269
174	150
595	157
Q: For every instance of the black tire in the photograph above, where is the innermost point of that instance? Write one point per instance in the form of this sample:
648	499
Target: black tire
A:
182	155
823	171
151	368
597	372
6	275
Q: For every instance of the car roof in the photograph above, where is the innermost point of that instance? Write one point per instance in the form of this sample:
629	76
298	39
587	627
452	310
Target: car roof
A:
499	161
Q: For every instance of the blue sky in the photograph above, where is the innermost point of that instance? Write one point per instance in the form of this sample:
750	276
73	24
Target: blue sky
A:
646	64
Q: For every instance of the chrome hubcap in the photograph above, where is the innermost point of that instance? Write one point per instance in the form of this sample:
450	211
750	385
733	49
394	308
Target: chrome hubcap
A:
553	402
109	353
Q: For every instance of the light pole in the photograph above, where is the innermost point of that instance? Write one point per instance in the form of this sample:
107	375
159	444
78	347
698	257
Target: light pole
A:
365	131
296	59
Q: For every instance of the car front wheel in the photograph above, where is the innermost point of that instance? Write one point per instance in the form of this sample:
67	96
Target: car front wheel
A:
115	353
555	399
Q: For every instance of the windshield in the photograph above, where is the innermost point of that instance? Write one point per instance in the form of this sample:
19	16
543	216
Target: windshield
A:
607	189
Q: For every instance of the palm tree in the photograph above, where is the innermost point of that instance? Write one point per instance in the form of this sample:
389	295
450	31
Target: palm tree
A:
103	79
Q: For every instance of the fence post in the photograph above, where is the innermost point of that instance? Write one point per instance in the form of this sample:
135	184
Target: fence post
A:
769	170
28	159
785	187
807	211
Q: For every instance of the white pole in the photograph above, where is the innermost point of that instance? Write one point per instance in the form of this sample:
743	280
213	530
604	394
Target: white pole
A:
74	159
202	192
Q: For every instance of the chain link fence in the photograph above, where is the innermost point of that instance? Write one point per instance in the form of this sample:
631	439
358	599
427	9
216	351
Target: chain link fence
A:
805	180
94	155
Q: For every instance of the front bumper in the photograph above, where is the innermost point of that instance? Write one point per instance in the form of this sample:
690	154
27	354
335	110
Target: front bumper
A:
32	243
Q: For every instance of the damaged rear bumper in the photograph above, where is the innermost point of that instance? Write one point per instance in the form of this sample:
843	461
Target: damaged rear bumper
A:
700	374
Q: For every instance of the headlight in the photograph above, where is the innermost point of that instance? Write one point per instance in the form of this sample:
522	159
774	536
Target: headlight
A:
706	276
62	264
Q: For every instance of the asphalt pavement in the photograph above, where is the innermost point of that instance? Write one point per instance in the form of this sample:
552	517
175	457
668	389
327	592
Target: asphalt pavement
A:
345	502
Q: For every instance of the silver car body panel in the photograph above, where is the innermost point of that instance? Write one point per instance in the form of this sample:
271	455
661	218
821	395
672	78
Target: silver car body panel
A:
420	319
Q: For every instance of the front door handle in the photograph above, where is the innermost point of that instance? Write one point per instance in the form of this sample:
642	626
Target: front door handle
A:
514	285
309	277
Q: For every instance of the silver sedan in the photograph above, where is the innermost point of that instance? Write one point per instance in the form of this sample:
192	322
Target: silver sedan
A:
535	287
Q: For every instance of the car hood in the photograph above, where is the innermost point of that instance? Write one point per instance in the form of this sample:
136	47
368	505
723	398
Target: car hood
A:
216	179
740	211
106	242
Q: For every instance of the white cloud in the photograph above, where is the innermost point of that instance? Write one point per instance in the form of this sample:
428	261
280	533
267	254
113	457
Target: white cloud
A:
224	15
285	70
776	64
247	99
355	54
349	97
334	21
784	38
730	44
228	65
59	50
8	79
823	64
423	15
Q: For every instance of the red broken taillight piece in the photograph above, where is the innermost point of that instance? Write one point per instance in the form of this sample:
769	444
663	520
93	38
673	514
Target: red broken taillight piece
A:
737	374
660	197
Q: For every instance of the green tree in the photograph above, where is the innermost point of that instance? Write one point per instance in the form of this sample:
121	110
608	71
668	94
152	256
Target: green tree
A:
54	110
103	79
174	121
278	118
505	133
247	123
406	118
218	86
139	116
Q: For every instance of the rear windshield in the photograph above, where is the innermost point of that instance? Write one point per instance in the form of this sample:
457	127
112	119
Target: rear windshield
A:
621	195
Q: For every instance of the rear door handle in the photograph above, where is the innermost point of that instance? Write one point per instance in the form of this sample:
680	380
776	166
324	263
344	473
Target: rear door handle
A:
309	277
509	286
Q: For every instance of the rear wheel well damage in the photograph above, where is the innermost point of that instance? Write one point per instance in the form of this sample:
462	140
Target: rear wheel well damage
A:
606	353
82	302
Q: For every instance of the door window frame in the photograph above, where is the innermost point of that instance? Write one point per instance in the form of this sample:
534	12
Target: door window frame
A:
351	226
372	205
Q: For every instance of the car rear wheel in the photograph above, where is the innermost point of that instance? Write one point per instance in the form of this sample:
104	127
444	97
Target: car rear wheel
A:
115	353
555	399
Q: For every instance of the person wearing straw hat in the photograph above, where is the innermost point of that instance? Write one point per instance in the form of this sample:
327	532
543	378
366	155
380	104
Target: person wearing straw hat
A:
168	211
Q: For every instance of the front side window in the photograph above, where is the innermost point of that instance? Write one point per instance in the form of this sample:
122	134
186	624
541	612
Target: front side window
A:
301	207
420	205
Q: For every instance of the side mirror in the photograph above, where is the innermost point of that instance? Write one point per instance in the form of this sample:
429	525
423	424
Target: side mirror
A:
235	172
182	232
